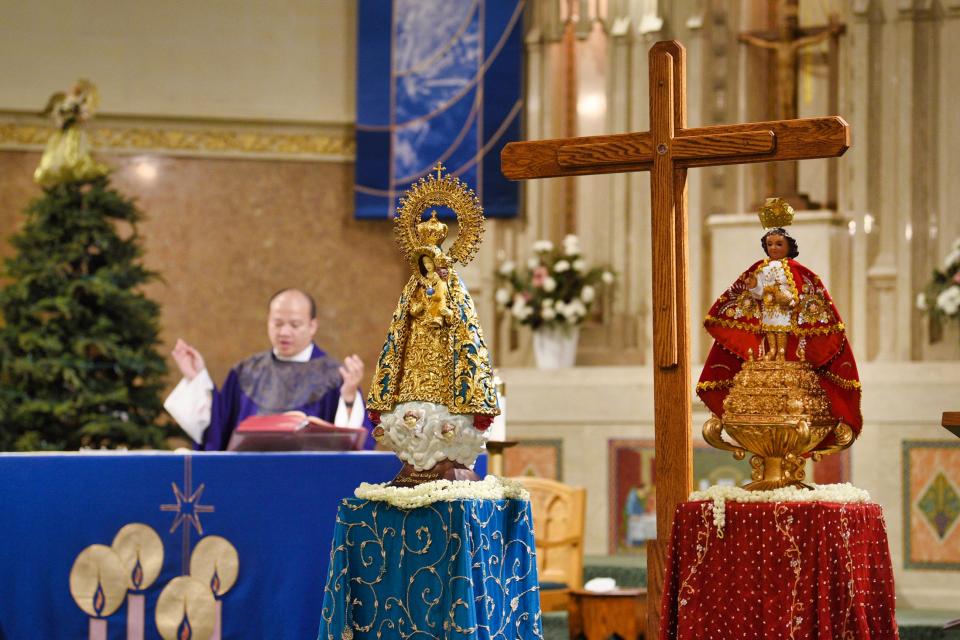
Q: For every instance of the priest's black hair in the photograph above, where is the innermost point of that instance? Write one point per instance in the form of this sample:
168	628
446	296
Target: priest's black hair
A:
313	303
793	249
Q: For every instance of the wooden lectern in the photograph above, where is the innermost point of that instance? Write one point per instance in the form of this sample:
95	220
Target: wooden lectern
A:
951	422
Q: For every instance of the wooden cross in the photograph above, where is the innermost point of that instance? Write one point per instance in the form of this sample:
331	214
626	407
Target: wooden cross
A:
667	150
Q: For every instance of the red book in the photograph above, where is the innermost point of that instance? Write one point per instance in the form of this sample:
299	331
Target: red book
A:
294	432
279	423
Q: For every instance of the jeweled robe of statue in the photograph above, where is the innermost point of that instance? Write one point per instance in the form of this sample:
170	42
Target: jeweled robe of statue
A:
434	351
780	309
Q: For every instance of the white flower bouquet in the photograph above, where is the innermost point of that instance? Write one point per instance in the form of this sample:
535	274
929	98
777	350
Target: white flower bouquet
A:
941	297
720	495
490	488
557	289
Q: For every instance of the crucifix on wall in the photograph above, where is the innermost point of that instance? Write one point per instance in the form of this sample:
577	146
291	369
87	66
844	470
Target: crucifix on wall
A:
667	150
785	44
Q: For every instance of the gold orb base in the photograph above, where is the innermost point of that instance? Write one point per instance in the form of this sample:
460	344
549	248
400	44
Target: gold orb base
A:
777	411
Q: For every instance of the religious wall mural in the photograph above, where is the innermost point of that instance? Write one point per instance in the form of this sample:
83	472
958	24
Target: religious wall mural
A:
931	504
633	497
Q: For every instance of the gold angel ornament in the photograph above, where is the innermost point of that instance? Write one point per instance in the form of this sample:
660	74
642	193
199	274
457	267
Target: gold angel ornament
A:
433	396
67	156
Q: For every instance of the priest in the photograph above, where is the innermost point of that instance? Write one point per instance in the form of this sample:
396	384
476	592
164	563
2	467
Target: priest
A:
295	375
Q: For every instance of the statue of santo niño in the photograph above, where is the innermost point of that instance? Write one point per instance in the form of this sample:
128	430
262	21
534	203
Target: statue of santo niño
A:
780	360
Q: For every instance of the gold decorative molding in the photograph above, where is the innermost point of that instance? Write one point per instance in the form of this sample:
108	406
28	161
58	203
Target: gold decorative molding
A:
193	137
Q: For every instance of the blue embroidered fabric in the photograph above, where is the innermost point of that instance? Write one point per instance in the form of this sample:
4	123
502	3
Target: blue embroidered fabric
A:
456	570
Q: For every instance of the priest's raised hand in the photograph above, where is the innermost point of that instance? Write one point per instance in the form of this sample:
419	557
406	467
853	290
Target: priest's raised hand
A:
188	360
294	375
352	373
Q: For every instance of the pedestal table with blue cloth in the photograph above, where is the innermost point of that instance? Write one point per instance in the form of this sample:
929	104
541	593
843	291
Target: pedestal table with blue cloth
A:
458	569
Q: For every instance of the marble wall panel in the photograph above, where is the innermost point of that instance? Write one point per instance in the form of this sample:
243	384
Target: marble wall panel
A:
225	234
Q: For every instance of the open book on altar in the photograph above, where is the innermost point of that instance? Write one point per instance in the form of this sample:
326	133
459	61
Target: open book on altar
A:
294	432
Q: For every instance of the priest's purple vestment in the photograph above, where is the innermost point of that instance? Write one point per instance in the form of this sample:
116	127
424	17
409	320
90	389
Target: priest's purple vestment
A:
264	385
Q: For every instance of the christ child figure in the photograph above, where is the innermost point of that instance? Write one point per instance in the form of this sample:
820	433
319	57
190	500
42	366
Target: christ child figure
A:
770	285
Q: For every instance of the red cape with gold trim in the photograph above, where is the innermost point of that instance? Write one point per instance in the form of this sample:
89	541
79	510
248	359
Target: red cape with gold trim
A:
734	322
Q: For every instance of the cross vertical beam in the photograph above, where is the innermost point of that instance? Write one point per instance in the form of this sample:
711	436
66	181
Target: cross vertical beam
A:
671	316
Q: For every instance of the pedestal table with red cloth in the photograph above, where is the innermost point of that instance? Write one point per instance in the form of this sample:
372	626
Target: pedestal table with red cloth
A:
780	570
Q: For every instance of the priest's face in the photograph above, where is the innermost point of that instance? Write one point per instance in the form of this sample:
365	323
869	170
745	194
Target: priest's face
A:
777	246
289	325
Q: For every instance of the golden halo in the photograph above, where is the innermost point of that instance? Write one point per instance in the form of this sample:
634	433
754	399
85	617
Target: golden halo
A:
141	550
440	190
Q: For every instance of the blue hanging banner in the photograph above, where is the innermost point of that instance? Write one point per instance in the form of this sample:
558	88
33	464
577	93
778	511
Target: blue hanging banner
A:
437	81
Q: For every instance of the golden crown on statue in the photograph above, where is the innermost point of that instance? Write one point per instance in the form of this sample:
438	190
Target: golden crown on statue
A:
776	212
432	231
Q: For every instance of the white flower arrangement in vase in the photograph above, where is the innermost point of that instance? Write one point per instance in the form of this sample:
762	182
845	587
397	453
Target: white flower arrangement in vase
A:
941	297
554	292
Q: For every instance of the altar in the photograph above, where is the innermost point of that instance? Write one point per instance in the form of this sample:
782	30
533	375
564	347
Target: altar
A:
275	511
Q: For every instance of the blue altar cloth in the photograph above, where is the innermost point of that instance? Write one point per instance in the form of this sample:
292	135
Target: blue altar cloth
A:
277	510
461	569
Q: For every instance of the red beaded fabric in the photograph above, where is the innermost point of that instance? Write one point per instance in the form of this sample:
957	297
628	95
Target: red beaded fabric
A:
781	570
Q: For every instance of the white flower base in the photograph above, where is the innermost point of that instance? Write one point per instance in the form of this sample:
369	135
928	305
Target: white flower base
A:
490	488
841	493
424	433
555	348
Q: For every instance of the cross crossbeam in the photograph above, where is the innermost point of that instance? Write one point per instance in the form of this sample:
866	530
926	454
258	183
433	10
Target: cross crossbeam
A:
698	147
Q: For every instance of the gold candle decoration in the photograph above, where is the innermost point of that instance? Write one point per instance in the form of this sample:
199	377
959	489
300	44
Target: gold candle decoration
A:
185	610
141	550
98	583
215	562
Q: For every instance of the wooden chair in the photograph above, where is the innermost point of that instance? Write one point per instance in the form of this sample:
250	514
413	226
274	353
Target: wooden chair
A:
559	514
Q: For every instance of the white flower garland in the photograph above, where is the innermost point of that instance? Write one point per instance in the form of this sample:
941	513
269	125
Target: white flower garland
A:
490	488
844	493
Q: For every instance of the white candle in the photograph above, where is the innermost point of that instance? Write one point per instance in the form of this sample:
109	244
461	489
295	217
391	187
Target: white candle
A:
135	613
98	629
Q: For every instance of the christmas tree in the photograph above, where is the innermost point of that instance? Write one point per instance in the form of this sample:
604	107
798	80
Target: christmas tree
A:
79	365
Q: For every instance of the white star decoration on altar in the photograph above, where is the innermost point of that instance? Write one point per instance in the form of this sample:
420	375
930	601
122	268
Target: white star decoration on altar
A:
187	508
